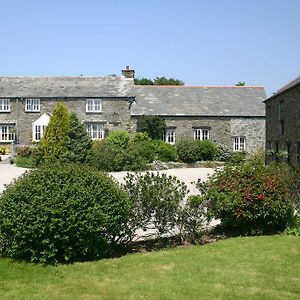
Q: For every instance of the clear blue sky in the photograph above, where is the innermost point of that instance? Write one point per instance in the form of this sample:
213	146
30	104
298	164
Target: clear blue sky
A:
202	42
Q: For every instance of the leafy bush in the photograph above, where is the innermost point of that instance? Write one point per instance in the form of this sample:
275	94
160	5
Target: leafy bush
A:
154	126
249	199
24	151
156	201
25	162
119	138
164	152
190	151
294	228
107	157
223	153
62	214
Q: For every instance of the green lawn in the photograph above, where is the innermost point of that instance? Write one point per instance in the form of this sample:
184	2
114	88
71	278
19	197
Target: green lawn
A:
237	268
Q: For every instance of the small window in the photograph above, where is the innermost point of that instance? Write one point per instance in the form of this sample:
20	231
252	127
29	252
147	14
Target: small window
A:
93	105
38	132
32	105
95	130
4	105
239	143
7	133
201	134
170	136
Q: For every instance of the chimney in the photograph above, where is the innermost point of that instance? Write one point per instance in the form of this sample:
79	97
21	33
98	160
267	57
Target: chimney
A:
128	73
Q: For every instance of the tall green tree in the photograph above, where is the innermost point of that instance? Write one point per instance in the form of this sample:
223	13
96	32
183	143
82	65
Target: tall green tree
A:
79	142
158	81
154	126
240	83
54	144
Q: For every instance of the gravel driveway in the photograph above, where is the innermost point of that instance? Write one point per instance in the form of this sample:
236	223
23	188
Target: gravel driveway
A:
188	175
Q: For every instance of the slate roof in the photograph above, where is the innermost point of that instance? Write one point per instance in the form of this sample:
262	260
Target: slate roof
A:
30	87
199	101
286	87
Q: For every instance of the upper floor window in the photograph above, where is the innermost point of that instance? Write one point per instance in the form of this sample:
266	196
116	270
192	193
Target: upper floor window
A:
93	105
4	105
239	143
7	133
32	105
170	136
95	130
201	134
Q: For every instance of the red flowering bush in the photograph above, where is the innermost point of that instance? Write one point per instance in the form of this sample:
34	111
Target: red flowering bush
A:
249	199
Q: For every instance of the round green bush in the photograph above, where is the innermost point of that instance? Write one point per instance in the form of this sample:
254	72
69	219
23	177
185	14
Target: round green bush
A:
62	214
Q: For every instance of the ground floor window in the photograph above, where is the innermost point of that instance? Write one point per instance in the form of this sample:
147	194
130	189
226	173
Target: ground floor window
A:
201	134
38	132
95	130
239	143
7	133
170	136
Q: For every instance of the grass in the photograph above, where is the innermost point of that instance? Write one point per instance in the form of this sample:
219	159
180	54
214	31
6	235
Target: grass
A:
237	268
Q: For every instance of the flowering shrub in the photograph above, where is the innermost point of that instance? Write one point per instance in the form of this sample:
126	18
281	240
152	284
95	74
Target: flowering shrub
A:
249	198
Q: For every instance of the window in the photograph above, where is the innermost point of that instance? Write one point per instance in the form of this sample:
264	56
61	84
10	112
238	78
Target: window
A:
7	133
4	105
32	105
93	105
239	143
38	132
39	126
281	117
95	130
201	134
170	136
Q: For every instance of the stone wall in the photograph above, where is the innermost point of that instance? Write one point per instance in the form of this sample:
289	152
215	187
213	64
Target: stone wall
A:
290	139
114	115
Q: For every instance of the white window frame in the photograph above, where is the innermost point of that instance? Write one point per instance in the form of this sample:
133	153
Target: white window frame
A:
95	130
170	136
32	105
201	134
4	105
93	105
7	133
38	132
239	143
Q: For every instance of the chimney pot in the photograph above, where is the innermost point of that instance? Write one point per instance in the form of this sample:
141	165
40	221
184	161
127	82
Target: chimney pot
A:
128	73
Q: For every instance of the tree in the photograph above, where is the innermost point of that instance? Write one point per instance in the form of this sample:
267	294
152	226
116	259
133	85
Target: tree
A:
155	126
54	144
158	81
79	143
241	83
143	81
167	81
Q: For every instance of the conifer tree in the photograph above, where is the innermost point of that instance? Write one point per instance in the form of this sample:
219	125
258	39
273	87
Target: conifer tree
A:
54	144
79	144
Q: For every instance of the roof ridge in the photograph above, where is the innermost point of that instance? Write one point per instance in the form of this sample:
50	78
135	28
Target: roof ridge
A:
199	86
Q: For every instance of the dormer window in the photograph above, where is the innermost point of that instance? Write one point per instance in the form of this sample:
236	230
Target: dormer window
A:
4	105
93	105
32	105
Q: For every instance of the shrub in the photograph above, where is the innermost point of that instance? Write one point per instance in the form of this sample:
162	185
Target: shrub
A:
223	153
24	151
79	142
54	144
156	200
164	152
249	199
154	126
119	138
190	151
107	157
62	214
25	161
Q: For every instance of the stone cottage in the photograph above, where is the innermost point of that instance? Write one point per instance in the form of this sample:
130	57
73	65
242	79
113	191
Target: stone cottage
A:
283	124
232	116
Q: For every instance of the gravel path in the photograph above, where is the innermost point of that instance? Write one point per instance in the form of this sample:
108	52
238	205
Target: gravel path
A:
188	175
